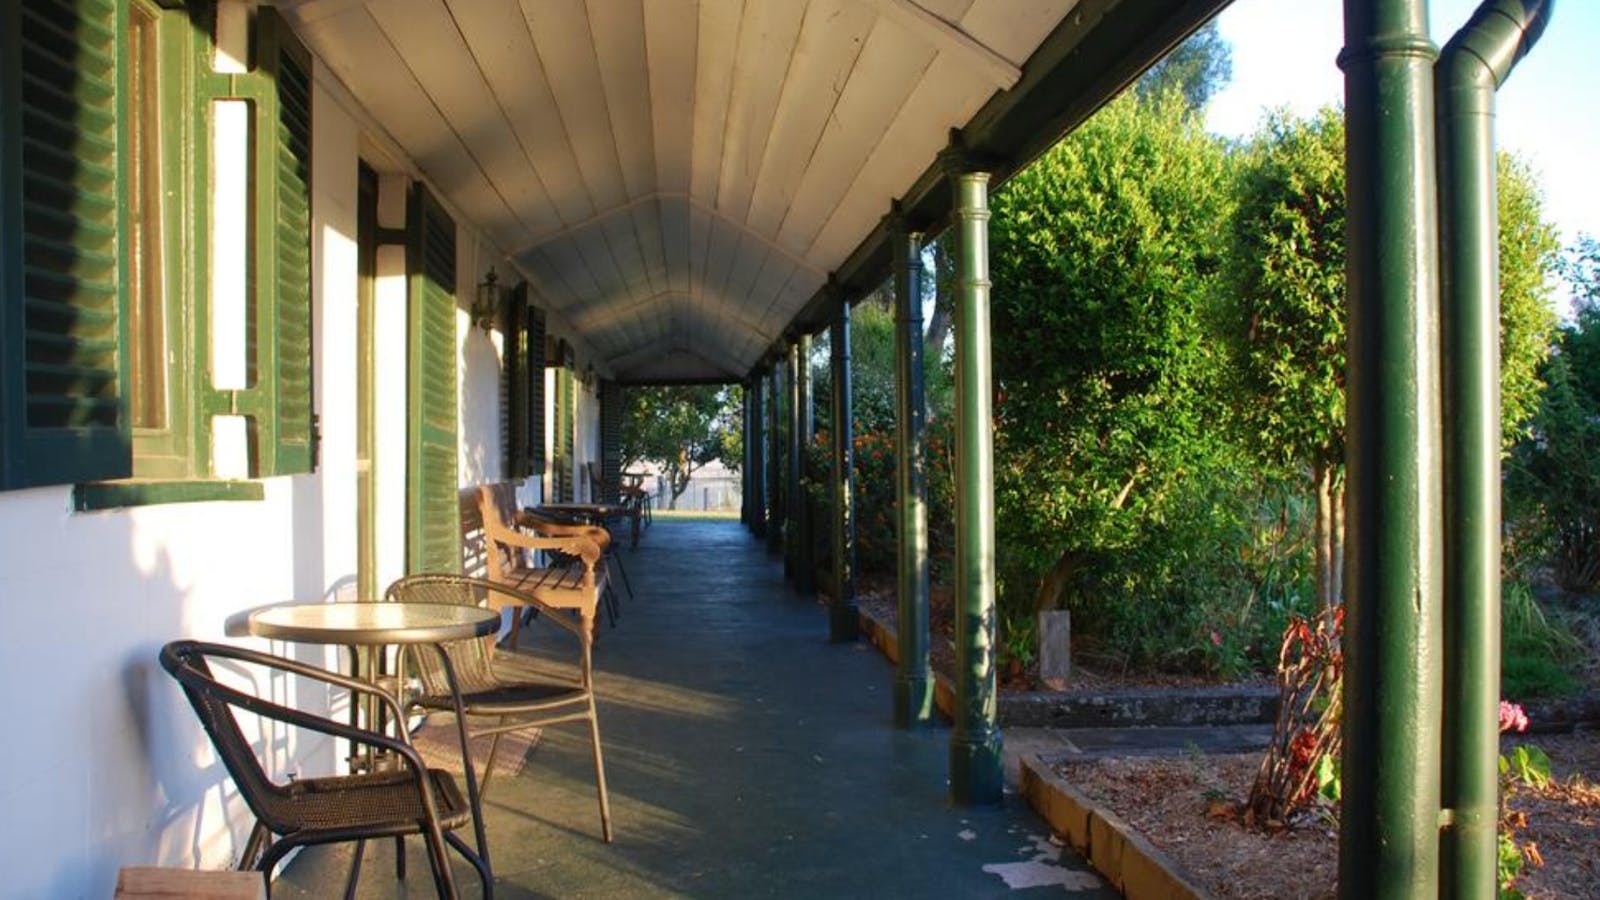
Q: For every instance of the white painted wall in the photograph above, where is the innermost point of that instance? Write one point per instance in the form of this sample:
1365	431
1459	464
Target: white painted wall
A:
104	753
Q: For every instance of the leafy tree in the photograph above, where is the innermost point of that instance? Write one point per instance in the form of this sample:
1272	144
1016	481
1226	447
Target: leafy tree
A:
1198	69
1553	482
1103	258
680	429
1284	316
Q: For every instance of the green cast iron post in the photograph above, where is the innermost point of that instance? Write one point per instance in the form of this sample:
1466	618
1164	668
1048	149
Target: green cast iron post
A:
975	768
791	456
843	618
1389	824
913	682
744	455
777	472
805	579
1473	65
758	457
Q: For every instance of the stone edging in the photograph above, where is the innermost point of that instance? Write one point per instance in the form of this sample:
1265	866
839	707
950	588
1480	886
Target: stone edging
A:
886	640
1102	709
1130	863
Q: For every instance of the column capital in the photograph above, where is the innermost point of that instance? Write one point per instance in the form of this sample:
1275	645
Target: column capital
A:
957	160
898	225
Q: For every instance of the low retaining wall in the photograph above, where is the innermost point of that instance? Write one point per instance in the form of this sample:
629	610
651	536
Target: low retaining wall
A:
1103	709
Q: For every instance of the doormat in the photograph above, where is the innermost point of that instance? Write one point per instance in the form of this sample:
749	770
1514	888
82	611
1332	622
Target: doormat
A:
440	746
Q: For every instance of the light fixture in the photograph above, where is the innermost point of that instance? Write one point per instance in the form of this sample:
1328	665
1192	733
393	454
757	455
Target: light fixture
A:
486	310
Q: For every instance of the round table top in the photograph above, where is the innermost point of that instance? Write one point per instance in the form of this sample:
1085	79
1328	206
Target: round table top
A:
373	623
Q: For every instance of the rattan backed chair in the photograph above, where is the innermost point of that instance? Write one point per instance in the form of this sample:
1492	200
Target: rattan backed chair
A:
408	798
495	699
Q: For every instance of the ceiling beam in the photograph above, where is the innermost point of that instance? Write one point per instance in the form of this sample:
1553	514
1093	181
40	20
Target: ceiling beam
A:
942	35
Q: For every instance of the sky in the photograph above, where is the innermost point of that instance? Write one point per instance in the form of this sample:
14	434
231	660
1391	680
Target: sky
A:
1548	112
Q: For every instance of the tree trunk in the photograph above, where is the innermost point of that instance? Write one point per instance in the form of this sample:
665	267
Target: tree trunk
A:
943	302
1053	586
1336	540
1322	535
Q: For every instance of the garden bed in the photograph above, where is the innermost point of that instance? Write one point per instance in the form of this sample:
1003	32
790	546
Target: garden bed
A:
1185	808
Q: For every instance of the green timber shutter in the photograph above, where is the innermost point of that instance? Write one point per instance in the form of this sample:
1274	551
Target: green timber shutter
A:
433	531
515	392
561	451
283	233
535	375
610	439
62	234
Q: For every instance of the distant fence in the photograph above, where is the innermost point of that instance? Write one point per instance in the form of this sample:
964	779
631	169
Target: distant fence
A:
704	494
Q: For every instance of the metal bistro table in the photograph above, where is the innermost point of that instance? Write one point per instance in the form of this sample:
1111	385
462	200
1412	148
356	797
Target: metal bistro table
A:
369	628
594	514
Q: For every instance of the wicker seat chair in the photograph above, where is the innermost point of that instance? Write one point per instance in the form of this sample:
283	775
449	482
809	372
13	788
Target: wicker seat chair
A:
629	494
406	799
495	699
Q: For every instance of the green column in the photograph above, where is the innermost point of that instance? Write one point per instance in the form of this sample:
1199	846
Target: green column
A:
1389	825
843	618
777	471
794	501
913	681
805	579
975	771
758	456
745	493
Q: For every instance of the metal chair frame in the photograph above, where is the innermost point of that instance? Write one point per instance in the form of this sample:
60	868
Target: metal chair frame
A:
297	811
513	704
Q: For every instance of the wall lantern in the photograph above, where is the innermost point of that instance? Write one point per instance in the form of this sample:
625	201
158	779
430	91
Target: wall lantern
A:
486	309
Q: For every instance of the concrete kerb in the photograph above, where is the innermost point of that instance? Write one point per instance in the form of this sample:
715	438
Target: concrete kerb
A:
1121	855
1123	708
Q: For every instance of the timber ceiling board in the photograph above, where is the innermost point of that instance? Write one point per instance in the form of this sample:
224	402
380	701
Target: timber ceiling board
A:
676	177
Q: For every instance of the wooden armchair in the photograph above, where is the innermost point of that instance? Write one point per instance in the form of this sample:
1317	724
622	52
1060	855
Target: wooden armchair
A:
506	561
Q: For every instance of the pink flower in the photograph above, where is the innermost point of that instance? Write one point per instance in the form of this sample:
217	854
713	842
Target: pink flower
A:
1216	639
1513	717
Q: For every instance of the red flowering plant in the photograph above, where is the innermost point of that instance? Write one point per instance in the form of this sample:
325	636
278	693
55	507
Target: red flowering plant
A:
1301	766
1526	767
876	503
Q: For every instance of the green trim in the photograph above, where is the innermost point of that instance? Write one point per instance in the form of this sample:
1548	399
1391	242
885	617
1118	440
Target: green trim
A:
99	495
168	452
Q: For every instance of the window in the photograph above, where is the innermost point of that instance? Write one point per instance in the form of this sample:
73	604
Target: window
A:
112	117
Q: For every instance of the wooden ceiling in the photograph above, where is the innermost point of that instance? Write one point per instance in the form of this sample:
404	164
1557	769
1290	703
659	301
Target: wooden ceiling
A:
676	178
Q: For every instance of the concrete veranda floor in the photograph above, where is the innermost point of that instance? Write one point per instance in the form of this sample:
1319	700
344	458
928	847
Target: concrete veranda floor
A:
746	756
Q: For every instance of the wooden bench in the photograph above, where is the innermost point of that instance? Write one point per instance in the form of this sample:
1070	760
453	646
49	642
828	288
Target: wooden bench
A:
494	548
152	883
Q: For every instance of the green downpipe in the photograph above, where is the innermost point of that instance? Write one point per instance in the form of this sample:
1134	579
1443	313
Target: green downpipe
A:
975	765
844	623
805	579
913	683
758	457
777	471
1389	832
1472	67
